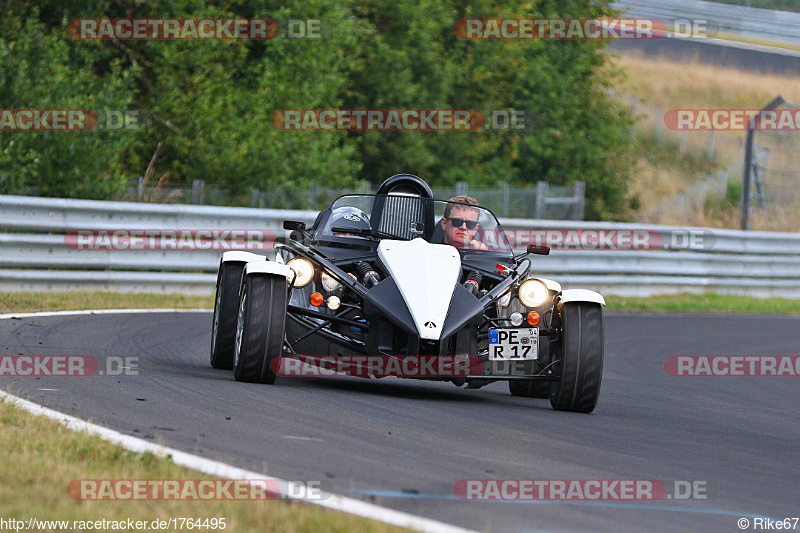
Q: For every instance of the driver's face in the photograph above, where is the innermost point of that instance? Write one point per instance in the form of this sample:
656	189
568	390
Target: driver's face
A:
459	237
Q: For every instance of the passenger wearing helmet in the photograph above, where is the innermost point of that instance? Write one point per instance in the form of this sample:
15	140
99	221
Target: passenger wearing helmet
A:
352	218
347	218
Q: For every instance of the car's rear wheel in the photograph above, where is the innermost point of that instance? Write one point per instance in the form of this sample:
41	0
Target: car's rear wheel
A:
223	332
260	327
579	358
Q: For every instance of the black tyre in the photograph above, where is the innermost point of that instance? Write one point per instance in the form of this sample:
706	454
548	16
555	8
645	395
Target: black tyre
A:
226	305
260	327
580	358
534	389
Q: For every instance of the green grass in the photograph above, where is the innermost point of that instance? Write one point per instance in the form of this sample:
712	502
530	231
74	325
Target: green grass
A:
22	302
41	457
705	303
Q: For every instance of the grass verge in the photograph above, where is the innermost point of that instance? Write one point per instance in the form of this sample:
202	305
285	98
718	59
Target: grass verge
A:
705	303
40	458
29	302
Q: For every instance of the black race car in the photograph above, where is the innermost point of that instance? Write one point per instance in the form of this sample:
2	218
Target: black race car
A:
398	283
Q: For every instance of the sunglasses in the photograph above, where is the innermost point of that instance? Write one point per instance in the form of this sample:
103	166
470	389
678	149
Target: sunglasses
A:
458	222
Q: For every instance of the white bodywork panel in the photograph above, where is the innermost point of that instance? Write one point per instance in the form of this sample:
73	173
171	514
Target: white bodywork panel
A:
549	283
241	256
582	295
268	267
426	275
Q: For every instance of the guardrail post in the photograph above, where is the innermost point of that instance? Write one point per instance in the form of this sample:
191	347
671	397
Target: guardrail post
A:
506	198
198	191
712	152
541	199
749	151
580	199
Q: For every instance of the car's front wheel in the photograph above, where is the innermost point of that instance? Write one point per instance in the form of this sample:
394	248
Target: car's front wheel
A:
579	358
223	331
260	327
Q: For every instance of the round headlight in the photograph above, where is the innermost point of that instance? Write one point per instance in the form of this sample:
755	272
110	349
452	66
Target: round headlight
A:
329	283
532	293
303	269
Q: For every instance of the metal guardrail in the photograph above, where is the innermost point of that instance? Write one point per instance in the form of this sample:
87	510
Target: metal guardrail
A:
27	213
34	256
763	23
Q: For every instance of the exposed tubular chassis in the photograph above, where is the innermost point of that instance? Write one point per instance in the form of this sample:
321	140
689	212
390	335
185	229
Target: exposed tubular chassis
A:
489	299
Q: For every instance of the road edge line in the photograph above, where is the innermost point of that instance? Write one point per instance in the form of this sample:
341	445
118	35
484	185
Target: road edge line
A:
209	466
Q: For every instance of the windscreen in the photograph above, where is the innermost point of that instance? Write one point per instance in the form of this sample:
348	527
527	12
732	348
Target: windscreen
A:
467	227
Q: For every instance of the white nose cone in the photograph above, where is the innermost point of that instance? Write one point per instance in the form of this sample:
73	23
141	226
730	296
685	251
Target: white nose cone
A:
426	275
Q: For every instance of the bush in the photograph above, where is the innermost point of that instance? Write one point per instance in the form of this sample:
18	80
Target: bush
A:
209	103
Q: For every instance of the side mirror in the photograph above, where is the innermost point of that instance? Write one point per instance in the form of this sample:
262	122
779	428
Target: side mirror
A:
538	250
294	225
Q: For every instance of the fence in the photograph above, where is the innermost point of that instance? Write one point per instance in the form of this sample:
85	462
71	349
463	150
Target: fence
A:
33	255
771	177
552	202
774	172
544	201
722	147
691	204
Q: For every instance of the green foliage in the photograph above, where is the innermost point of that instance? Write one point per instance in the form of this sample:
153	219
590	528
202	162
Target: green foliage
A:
729	204
209	103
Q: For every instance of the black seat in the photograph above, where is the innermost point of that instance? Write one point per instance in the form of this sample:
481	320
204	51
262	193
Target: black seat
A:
404	207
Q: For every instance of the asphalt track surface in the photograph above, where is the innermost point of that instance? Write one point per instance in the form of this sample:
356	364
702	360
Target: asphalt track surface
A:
403	444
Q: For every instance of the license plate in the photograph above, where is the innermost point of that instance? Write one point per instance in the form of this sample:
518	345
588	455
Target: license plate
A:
513	344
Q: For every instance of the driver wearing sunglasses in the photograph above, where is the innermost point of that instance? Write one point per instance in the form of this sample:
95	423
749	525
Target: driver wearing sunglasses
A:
460	222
